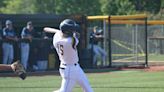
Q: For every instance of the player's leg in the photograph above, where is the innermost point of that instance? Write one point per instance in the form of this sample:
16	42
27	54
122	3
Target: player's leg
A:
4	67
27	55
96	54
42	64
11	54
103	54
24	54
5	52
67	81
67	85
83	81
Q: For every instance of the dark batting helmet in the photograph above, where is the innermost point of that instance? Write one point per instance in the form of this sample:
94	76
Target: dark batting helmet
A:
69	26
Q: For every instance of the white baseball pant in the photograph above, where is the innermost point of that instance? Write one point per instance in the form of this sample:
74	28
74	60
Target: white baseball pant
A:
72	74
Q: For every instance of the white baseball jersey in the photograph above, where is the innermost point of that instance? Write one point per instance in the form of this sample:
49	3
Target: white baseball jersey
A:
67	54
70	70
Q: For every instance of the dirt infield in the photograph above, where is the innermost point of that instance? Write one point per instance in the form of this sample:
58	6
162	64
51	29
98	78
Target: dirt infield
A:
155	68
147	69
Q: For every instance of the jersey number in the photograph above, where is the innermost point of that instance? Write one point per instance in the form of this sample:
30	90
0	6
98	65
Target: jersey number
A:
60	49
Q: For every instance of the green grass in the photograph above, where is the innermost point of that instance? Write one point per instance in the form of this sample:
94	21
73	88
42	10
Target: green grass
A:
154	57
116	81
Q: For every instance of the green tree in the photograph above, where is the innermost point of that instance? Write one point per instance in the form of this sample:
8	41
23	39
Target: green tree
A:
152	6
86	7
117	7
161	12
17	6
2	4
28	6
162	4
45	6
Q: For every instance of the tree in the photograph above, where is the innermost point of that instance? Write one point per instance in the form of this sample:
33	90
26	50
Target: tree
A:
2	4
17	6
162	4
28	6
85	7
152	6
117	7
45	6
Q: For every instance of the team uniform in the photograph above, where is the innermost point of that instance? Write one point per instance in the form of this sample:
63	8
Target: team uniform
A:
70	70
25	46
98	51
8	50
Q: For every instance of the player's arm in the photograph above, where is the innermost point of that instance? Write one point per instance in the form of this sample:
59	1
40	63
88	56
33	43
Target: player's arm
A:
15	67
51	30
4	67
99	36
13	38
26	36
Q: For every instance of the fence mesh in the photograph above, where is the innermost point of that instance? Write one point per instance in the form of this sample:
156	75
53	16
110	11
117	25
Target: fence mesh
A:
128	44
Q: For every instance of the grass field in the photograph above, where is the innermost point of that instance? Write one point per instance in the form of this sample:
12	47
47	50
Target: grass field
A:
116	81
154	57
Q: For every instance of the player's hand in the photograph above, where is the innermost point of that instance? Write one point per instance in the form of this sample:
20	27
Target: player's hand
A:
18	68
30	38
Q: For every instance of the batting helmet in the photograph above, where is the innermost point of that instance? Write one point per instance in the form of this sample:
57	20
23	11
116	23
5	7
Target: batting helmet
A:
69	26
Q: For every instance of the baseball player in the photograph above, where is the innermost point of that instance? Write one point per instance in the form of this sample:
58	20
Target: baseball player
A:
15	67
95	37
9	37
65	41
26	35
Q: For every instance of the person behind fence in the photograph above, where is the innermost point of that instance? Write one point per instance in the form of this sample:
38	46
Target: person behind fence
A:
44	48
95	37
26	35
9	37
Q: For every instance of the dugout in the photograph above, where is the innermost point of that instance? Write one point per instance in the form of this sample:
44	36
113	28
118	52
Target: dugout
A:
40	21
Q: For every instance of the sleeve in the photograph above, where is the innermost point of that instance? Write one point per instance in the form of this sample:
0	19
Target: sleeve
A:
23	33
77	41
76	36
4	32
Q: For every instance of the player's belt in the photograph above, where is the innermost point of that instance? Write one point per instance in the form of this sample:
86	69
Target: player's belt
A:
62	68
68	64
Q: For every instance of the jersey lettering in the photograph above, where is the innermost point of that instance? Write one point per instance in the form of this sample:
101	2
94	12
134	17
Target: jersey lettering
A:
60	49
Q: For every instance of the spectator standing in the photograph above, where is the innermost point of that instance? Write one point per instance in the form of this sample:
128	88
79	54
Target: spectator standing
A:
9	37
43	51
26	35
95	37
